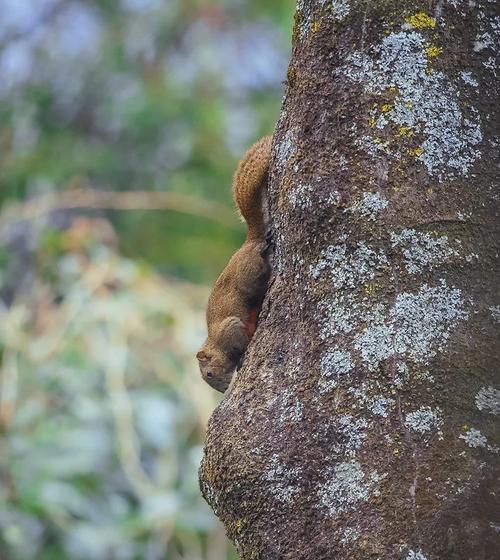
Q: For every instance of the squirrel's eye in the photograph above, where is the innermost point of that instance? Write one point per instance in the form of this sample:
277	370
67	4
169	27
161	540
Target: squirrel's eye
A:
210	374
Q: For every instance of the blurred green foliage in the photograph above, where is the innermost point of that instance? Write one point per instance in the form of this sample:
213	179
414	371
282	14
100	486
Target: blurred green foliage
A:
140	94
102	416
102	410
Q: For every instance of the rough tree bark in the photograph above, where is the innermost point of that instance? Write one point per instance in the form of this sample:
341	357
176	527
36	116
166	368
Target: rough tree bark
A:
364	423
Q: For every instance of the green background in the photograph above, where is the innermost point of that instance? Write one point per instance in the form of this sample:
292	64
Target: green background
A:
102	410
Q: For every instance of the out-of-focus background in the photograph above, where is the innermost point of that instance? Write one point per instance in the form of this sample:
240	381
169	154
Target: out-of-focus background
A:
121	123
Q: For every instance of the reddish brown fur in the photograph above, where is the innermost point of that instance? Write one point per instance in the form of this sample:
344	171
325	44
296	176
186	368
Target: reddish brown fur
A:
251	324
250	177
236	297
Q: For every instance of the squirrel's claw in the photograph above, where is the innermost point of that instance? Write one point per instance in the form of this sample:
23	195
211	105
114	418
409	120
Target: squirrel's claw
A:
269	243
240	362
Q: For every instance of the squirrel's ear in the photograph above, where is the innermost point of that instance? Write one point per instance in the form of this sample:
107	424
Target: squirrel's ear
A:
202	356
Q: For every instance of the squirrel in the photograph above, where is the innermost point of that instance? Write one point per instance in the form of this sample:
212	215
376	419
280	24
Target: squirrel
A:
236	298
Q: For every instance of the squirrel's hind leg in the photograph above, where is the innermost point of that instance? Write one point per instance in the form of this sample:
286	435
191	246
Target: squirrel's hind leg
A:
232	337
253	273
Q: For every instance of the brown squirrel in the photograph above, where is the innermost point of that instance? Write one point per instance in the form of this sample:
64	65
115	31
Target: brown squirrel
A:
236	298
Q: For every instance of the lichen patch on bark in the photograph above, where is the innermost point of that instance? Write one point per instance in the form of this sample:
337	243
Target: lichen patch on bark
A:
425	103
488	400
347	485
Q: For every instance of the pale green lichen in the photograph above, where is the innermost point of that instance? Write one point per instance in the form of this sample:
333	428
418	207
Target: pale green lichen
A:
343	313
483	41
349	535
304	18
415	555
377	404
307	17
351	434
424	420
284	481
284	150
425	102
487	40
334	364
469	79
370	205
380	406
418	325
414	328
341	9
348	267
348	486
491	64
373	146
342	161
333	198
422	250
339	315
300	197
405	374
488	400
474	438
289	406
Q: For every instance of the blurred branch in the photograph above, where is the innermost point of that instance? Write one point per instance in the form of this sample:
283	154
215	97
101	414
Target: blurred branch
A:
128	448
121	407
112	200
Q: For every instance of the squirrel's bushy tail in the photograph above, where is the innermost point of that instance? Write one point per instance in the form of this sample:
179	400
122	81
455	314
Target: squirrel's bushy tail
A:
248	182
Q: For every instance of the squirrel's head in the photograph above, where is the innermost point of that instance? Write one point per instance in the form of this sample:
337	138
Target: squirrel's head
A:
216	368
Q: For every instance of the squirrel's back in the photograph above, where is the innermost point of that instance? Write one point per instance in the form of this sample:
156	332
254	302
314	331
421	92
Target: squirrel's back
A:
248	183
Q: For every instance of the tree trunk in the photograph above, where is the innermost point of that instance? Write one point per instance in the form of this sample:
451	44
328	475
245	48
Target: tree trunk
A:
364	423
